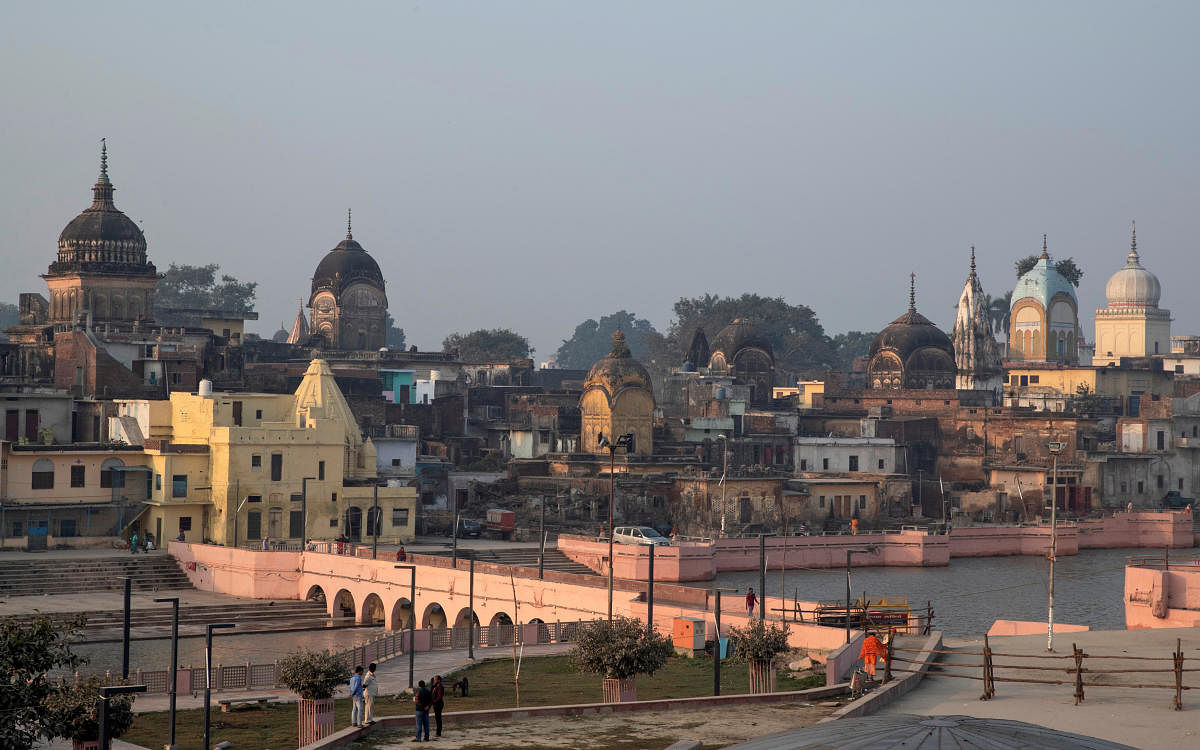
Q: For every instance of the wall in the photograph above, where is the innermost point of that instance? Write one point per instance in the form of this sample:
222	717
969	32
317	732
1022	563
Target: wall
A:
1175	593
256	575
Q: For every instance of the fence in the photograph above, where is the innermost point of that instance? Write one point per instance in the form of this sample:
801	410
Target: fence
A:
1071	667
249	676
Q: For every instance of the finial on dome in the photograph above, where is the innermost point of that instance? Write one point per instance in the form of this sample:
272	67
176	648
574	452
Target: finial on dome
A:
619	348
103	160
912	292
972	260
1045	253
349	236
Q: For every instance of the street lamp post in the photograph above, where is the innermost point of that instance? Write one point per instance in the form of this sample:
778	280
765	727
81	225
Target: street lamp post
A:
208	636
471	607
848	553
724	470
717	640
125	631
650	592
1055	449
174	601
304	509
412	620
376	522
105	694
626	442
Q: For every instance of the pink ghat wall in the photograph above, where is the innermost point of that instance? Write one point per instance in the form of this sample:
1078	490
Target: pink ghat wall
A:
1174	594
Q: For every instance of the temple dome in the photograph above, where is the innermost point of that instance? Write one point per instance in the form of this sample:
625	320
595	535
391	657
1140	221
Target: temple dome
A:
345	264
908	334
1133	285
618	370
738	335
911	353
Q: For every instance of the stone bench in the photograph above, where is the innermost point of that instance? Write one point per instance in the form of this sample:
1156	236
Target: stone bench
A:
227	703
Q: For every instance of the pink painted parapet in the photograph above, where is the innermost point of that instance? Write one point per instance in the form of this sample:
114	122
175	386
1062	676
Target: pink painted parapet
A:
1157	530
908	548
1162	597
240	572
679	562
1025	627
997	541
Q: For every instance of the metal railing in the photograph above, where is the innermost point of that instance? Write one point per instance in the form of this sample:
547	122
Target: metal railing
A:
249	676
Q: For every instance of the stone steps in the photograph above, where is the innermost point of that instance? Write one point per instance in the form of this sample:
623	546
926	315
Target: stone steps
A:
156	572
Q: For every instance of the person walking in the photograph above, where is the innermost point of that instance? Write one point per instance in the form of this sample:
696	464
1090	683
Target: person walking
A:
438	695
133	540
751	600
422	699
872	651
370	690
356	698
266	543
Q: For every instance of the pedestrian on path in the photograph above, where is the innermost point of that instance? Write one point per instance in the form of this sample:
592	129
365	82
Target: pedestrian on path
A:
356	698
872	651
439	702
133	540
422	700
266	543
751	600
370	690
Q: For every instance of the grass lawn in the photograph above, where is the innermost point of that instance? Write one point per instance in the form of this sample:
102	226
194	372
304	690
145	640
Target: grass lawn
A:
545	681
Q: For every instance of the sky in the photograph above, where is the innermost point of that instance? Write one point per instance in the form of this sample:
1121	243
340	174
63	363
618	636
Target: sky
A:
529	165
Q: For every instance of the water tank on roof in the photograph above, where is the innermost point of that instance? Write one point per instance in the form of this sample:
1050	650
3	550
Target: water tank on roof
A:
205	387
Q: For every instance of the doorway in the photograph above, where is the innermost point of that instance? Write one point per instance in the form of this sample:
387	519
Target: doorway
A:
353	525
275	523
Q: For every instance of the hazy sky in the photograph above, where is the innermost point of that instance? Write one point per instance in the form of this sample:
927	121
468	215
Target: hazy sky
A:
533	164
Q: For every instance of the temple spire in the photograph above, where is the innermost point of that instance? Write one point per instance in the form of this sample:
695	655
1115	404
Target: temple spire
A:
972	261
103	160
102	191
1045	252
912	292
349	236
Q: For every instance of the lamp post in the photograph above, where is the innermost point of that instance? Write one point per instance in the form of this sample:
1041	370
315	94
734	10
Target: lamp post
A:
1055	449
471	607
125	631
850	552
174	601
304	510
717	640
208	631
650	592
412	620
626	441
105	694
376	522
724	469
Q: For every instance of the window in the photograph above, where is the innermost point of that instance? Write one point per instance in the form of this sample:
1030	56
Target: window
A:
1179	369
256	461
333	523
185	523
862	502
77	475
1141	488
1034	379
822	501
111	474
17	528
237	413
1124	487
175	378
333	497
43	474
296	524
276	467
158	481
854	463
1161	440
882	464
179	485
258	414
1181	484
395	462
66	527
254	525
825	464
804	464
321	471
297	497
254	499
1160	481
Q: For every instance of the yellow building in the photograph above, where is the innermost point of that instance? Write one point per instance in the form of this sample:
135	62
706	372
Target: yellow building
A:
239	467
1049	387
618	398
1132	324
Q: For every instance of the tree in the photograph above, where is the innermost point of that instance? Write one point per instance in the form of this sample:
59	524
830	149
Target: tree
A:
395	335
619	649
9	315
313	675
28	652
758	641
196	287
592	340
74	711
494	345
798	341
998	311
1069	271
1026	264
848	347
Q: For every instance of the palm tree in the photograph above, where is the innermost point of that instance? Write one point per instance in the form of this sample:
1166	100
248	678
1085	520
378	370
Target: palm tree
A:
998	310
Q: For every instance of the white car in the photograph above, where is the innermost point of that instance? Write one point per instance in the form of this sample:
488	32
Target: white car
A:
639	535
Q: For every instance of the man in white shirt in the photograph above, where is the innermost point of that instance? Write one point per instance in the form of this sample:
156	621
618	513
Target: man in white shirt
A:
370	690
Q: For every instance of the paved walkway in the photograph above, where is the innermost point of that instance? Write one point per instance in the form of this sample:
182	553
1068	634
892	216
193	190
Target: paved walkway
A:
392	675
1139	717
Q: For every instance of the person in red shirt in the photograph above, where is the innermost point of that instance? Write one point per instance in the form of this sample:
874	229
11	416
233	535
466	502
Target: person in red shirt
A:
751	600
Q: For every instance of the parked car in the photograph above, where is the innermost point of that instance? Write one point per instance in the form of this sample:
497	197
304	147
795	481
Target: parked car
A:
1175	500
468	528
639	535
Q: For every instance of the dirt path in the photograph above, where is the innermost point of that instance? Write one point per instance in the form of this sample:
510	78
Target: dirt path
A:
642	730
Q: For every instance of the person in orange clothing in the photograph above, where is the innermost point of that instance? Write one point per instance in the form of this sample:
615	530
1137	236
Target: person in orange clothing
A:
872	651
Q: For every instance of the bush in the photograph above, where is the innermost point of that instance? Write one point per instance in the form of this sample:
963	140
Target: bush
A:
73	711
622	648
312	674
758	641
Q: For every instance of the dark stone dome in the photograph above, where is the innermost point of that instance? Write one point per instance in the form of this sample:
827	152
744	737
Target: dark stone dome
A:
102	239
618	370
344	265
738	335
908	334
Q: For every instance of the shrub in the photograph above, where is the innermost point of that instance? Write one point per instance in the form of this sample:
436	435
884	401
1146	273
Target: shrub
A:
622	648
758	641
312	674
73	711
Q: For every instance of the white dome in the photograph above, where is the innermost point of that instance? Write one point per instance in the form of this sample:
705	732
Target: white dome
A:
1133	286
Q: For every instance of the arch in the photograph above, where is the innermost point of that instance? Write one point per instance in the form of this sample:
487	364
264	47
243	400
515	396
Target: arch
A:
315	594
434	617
343	605
466	618
401	614
500	629
372	611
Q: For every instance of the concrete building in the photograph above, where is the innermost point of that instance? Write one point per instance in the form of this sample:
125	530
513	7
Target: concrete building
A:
848	455
1132	324
348	302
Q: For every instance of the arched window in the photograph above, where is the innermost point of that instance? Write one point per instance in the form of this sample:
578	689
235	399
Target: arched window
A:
43	474
110	478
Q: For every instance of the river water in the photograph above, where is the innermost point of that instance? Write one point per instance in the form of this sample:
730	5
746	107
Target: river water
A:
972	592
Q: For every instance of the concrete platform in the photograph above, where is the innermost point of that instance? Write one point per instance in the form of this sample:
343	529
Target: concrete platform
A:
1138	717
